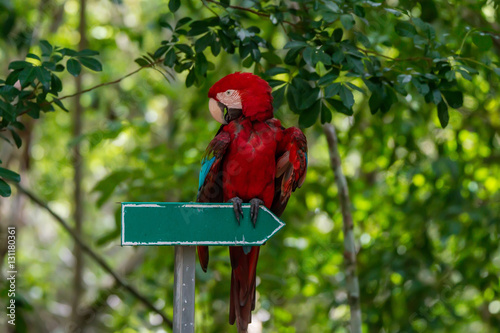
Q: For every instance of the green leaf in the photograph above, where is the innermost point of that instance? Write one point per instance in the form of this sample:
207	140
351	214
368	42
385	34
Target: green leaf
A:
49	65
332	90
308	99
346	96
308	117
27	75
17	138
339	106
34	110
482	41
290	98
43	76
275	83
46	48
5	190
255	53
10	175
295	44
74	67
347	21
337	35
215	47
91	63
170	58
321	56
355	87
60	104
19	64
422	88
271	58
455	99
356	64
375	102
327	78
443	115
405	29
359	11
203	42
436	96
338	56
277	70
182	22
198	28
326	114
173	5
247	63
201	65
186	49
389	98
33	56
55	84
331	5
191	77
278	97
292	55
141	62
158	53
308	56
163	22
68	52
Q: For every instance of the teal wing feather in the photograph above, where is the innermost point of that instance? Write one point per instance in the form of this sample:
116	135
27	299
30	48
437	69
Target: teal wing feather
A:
210	180
206	165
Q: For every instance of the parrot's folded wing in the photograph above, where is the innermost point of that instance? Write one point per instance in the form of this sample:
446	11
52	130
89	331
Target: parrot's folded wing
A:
291	167
210	182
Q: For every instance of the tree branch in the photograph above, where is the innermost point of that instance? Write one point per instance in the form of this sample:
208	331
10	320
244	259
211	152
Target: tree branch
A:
248	10
365	51
100	261
97	86
348	226
111	82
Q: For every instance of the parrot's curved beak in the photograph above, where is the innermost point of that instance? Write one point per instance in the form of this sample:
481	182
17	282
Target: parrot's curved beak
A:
217	110
222	113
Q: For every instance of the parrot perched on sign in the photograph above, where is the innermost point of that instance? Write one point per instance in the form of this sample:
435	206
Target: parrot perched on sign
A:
252	159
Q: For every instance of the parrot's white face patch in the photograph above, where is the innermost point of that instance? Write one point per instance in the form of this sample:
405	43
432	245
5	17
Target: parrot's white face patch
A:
230	98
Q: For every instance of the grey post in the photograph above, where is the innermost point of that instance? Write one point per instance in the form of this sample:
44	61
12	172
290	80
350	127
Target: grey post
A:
184	289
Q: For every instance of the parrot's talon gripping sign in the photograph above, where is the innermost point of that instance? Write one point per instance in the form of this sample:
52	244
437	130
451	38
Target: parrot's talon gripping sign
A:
253	165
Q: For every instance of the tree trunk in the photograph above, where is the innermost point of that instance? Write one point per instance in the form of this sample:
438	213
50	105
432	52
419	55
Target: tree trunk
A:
77	179
348	226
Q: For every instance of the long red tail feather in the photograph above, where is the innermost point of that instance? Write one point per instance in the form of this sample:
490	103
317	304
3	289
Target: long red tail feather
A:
203	256
242	300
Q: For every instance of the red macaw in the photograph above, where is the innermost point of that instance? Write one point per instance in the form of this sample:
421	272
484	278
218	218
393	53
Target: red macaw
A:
251	159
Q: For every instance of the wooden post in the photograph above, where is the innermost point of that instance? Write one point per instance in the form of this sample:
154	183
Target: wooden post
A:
184	289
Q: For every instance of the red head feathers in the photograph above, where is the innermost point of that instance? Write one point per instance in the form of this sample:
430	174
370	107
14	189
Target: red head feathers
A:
241	91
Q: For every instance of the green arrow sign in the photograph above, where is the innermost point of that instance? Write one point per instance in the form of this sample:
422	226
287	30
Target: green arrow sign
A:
182	223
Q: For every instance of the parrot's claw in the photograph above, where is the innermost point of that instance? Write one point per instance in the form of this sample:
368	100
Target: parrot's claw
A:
237	208
254	209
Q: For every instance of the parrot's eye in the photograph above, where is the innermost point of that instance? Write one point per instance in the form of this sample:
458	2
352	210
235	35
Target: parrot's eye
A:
229	92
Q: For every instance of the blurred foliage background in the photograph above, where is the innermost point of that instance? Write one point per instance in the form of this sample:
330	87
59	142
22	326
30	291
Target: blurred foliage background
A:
425	200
